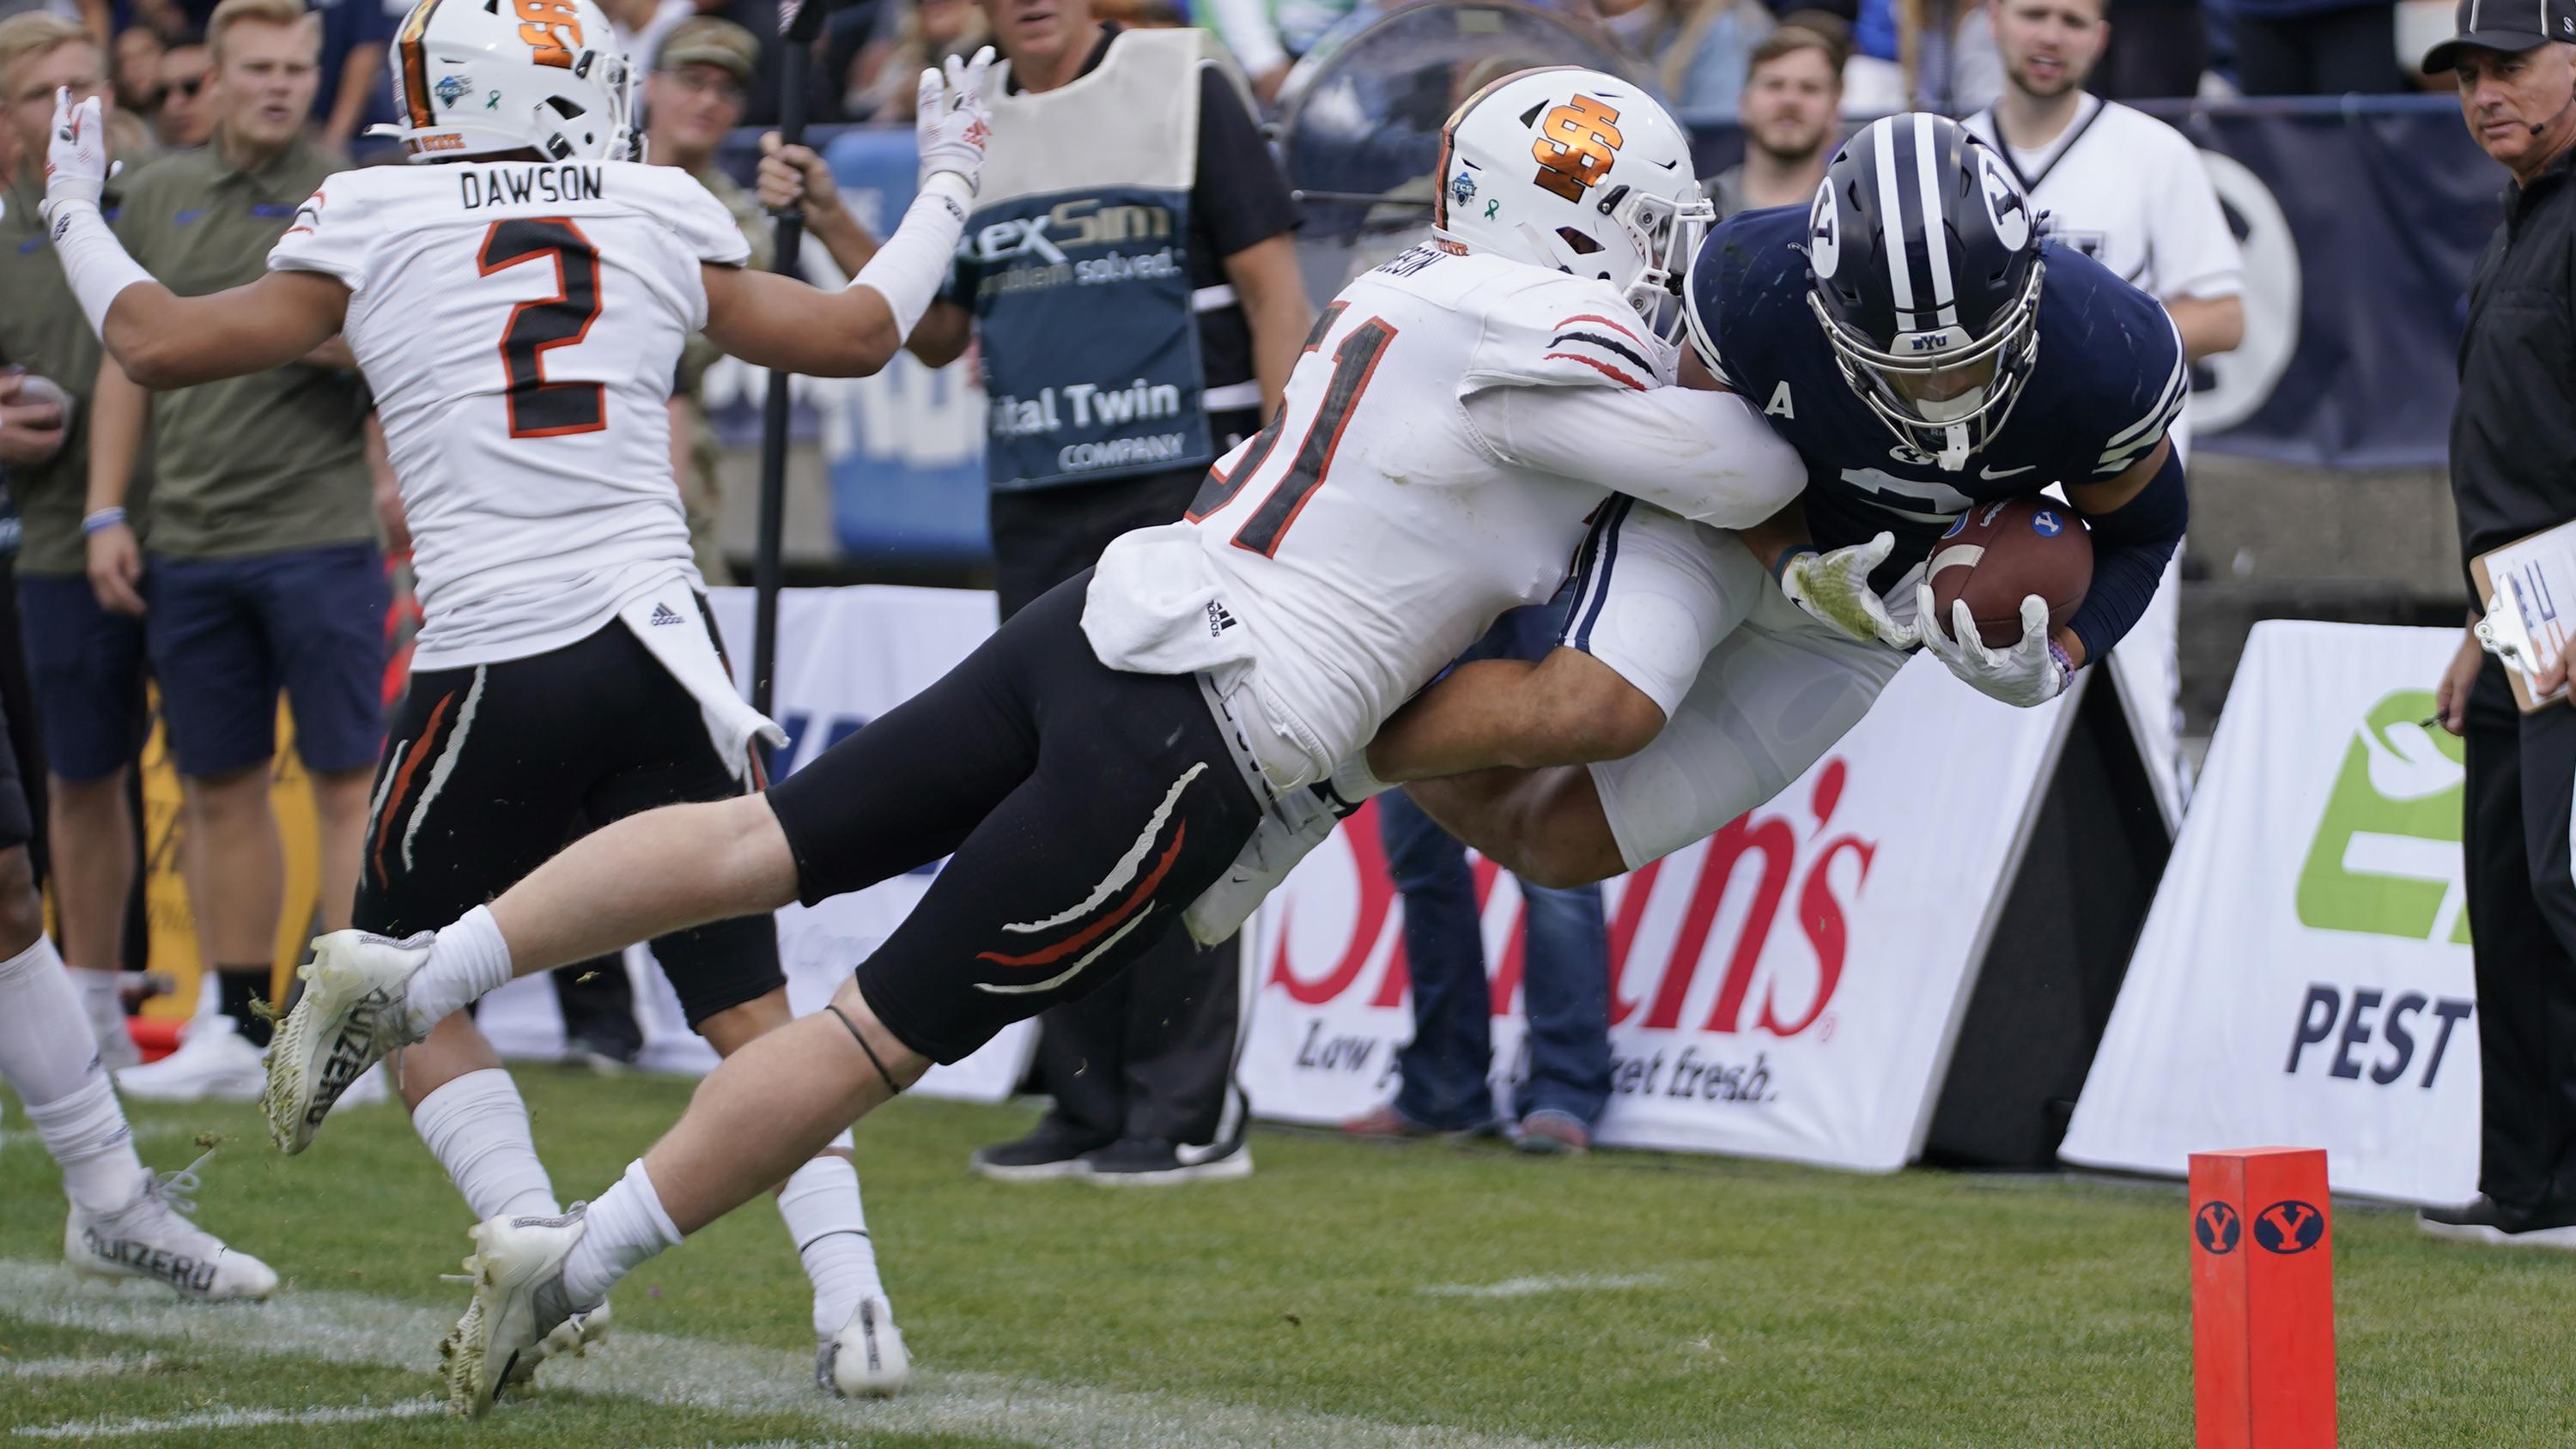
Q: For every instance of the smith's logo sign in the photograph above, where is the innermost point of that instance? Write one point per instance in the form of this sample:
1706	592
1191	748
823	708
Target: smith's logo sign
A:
2387	859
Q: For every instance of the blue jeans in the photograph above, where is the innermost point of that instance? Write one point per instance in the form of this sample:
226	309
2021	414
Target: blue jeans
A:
1565	987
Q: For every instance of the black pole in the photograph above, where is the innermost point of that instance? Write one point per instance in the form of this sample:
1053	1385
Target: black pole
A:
797	26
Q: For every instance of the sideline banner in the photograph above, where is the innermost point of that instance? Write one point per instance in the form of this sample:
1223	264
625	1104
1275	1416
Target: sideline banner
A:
845	656
2304	975
1789	988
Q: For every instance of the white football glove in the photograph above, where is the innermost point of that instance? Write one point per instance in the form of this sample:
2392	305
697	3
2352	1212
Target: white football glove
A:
76	164
952	123
1835	588
2027	674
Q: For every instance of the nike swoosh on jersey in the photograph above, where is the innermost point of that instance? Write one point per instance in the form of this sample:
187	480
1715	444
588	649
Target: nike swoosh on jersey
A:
1991	474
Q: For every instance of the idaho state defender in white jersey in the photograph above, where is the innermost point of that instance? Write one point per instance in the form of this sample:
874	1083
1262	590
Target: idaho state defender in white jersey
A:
520	324
1459	416
519	311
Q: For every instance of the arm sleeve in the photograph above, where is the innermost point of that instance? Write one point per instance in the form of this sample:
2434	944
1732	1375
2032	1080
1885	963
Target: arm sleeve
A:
2131	546
1236	192
330	235
2196	254
1706	456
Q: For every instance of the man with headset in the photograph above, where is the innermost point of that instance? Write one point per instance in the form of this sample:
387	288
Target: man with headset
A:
2512	437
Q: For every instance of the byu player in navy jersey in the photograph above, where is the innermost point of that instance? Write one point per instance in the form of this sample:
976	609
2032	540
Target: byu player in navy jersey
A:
1924	348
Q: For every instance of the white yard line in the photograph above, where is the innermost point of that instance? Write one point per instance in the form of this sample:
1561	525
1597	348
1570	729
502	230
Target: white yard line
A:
724	1378
115	1365
227	1419
1531	1287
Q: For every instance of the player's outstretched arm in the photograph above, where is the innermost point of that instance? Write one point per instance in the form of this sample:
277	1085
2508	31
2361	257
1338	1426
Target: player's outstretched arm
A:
1566	709
159	338
1706	456
779	322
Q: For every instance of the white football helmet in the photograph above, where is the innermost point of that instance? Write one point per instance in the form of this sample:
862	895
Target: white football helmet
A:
1576	171
475	77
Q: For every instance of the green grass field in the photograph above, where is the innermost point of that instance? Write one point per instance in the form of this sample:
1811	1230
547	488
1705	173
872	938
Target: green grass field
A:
1347	1294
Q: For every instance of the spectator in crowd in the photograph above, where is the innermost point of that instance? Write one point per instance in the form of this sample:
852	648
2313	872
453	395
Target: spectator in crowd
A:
2513	474
138	69
2317	48
1208	315
86	663
1793	93
185	117
1565	979
2116	183
263	571
354	89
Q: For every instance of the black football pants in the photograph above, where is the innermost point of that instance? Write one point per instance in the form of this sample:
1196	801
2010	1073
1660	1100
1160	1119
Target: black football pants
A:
2522	914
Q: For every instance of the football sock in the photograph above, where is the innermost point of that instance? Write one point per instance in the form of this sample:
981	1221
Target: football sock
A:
477	1128
824	1216
50	1057
627	1226
467	960
245	987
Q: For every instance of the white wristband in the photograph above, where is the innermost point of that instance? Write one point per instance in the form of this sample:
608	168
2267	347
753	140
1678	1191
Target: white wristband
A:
94	261
908	269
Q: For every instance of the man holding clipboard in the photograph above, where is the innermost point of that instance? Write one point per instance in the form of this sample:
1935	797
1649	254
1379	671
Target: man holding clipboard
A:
2513	476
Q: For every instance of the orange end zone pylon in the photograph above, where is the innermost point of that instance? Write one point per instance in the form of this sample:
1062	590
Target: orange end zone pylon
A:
2262	1299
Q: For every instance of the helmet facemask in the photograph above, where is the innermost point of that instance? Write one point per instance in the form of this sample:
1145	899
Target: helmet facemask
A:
1914	387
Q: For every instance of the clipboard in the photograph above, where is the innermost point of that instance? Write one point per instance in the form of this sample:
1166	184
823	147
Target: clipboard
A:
2528	589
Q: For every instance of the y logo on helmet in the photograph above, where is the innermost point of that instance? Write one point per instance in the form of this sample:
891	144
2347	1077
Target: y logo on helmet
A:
2005	208
1824	234
1576	144
552	29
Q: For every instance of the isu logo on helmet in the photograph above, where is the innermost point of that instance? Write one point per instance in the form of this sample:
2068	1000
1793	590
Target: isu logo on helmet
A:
552	29
1612	194
1576	144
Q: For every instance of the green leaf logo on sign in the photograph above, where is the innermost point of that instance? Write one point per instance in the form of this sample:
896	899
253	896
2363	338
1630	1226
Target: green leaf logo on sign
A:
2387	855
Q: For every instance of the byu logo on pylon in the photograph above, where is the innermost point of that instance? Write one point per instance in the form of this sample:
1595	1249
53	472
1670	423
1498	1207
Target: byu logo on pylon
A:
2289	1226
2217	1228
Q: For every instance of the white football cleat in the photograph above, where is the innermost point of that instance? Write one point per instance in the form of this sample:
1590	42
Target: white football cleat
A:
351	1015
866	1359
519	1303
151	1238
213	1064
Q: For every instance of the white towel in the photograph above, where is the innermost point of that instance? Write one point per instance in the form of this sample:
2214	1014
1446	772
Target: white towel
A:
668	620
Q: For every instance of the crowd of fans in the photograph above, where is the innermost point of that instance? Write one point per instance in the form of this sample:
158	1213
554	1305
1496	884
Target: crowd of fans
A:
1933	54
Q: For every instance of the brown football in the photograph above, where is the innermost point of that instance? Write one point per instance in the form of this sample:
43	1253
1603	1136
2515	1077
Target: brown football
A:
1998	554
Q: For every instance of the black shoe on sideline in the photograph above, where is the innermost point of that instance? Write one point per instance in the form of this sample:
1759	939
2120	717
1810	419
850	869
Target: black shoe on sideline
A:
1153	1162
2496	1224
1055	1149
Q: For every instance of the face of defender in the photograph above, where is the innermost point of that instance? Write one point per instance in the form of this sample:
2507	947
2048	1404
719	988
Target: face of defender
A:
30	87
265	79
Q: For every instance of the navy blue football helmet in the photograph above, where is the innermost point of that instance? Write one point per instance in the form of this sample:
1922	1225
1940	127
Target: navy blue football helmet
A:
1923	262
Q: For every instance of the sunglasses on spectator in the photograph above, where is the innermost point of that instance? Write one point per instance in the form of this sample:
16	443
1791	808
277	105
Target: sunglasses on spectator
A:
188	87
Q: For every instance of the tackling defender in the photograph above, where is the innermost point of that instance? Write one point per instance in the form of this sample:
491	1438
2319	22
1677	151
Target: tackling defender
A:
1456	417
519	312
1891	331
